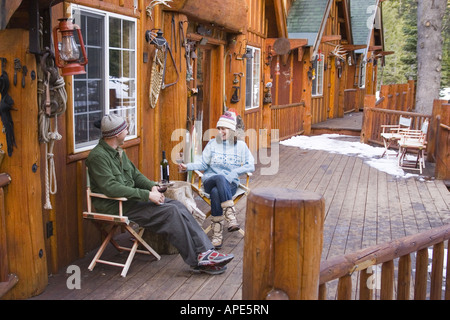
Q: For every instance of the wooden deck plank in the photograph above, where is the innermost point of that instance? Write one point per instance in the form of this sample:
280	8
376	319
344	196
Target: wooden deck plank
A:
332	218
342	229
292	176
383	213
407	211
369	236
354	238
417	206
363	207
395	210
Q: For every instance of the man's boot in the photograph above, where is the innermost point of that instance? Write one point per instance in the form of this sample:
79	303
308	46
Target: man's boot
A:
229	212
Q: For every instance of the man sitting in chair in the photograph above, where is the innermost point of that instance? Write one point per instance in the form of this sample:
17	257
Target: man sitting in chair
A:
223	160
113	174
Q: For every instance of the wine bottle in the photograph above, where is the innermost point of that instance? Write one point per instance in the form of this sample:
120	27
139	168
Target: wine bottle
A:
164	166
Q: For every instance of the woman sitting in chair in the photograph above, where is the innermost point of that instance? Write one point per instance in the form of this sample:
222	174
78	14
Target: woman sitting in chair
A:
223	160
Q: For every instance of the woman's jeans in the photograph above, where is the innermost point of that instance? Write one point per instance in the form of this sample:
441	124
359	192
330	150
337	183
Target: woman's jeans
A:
220	190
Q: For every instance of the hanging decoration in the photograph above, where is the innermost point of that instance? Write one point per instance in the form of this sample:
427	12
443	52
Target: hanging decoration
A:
52	99
156	77
6	105
67	54
159	64
153	4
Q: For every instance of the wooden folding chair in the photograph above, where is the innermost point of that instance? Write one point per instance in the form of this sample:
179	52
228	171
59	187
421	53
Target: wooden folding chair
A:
391	134
197	187
116	222
413	141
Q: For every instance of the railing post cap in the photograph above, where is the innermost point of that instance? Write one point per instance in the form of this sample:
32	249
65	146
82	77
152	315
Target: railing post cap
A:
284	194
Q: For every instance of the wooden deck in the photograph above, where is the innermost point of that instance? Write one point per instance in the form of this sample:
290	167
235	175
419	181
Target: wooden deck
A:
363	207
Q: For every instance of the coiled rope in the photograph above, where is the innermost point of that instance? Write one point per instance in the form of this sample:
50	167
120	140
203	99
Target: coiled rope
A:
52	102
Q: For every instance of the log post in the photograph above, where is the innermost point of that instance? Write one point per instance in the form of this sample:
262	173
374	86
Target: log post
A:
283	244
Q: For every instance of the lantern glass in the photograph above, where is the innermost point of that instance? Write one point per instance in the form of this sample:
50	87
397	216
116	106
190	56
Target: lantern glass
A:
69	49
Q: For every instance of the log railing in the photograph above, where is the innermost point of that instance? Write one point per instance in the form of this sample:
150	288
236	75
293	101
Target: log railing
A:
397	254
284	239
353	99
398	97
288	119
442	170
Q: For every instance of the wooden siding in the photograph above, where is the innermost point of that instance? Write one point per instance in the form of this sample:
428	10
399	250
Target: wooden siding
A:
255	35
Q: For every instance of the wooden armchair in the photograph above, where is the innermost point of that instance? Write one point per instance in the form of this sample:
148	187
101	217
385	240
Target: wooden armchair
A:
391	134
115	221
197	187
413	141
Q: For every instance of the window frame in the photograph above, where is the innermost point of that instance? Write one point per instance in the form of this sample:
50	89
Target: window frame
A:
362	73
105	76
319	75
255	82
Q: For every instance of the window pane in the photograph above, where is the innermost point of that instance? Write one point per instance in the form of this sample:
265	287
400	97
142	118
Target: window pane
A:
252	82
248	84
115	66
94	68
319	75
89	97
317	82
256	73
128	35
114	32
122	73
128	64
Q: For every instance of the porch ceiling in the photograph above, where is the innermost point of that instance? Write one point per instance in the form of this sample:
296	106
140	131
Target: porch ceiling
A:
9	8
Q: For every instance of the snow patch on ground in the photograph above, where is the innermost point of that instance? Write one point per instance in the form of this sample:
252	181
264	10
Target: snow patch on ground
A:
349	145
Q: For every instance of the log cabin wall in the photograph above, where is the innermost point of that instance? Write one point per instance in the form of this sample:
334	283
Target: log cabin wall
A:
329	104
53	238
256	35
71	237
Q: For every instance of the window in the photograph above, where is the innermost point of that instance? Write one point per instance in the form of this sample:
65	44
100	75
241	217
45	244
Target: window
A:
109	85
362	74
252	80
317	79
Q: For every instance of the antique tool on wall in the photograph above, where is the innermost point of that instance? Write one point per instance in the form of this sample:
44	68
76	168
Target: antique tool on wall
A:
24	74
17	67
237	88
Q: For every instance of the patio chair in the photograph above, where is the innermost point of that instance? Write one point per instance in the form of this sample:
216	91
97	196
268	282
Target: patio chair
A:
115	222
392	133
197	187
413	141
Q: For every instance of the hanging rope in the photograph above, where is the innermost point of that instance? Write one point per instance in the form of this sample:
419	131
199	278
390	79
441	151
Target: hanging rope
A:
52	102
